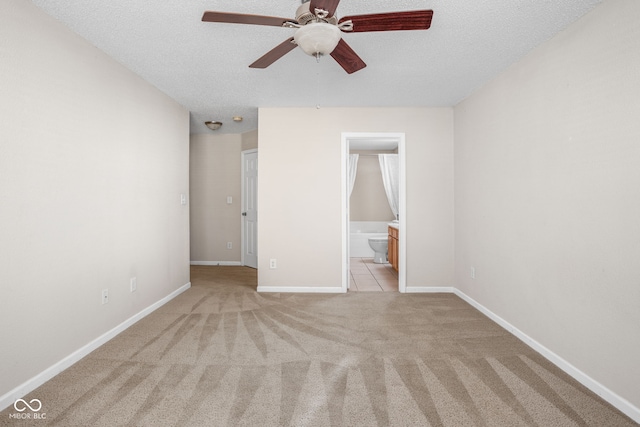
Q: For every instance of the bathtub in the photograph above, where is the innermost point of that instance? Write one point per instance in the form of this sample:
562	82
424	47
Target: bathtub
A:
359	234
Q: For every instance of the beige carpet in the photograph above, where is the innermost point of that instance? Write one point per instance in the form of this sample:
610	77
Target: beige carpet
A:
221	354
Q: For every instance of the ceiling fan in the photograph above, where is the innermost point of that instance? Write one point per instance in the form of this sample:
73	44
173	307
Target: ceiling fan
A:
318	30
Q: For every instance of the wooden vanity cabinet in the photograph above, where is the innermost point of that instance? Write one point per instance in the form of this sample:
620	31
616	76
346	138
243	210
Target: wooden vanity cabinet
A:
393	247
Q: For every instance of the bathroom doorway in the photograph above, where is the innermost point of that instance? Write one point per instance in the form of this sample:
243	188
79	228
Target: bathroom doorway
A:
369	145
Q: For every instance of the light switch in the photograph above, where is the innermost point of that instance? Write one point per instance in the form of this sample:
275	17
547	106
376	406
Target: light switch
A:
229	200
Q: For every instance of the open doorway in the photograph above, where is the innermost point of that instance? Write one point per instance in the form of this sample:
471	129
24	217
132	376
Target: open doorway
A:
370	144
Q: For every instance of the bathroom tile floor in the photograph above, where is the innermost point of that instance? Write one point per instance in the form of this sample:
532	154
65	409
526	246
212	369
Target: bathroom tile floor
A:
367	276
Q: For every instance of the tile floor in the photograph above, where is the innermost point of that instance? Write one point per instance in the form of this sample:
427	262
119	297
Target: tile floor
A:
366	276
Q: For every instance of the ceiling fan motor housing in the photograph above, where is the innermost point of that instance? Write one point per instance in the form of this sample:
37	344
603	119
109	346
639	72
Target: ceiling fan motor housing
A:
304	16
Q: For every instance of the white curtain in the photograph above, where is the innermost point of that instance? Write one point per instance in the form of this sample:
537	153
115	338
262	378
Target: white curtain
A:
390	167
353	169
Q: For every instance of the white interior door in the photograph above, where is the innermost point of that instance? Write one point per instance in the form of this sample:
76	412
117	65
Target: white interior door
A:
250	208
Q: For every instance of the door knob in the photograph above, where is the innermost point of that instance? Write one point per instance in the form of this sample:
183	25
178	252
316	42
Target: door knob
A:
244	214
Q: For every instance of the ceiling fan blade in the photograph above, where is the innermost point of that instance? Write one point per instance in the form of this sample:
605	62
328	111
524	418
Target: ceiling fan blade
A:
347	58
328	5
240	18
274	54
392	21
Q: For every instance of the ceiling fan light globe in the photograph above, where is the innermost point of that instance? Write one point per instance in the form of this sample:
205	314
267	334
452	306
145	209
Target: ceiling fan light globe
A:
317	38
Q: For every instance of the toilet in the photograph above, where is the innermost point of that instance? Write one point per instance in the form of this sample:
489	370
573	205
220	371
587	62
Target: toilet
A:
379	245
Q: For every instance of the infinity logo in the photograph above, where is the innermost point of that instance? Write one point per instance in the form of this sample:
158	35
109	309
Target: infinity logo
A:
26	405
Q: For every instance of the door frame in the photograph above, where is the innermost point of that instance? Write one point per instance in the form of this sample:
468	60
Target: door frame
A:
243	155
346	138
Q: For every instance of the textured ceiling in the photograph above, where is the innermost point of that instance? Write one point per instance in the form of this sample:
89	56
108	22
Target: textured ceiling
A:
204	66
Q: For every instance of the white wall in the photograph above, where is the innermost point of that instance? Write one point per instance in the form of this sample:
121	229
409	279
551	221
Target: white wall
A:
92	164
368	201
249	140
547	201
299	202
215	174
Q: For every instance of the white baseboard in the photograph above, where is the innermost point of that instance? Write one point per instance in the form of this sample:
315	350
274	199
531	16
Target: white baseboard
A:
429	289
216	263
302	289
619	402
23	389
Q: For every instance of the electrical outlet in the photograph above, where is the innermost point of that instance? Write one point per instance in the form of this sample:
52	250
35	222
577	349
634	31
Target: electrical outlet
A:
105	296
272	263
473	272
133	284
229	245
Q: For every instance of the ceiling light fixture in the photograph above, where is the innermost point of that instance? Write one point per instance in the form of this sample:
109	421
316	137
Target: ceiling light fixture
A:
317	38
213	125
237	118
